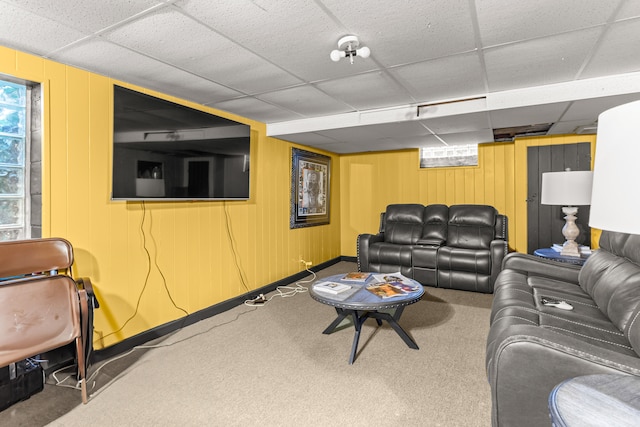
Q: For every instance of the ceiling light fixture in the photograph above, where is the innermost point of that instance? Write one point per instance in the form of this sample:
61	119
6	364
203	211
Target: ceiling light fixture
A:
348	47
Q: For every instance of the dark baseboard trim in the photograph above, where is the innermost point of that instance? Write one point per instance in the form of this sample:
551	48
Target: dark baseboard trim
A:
162	330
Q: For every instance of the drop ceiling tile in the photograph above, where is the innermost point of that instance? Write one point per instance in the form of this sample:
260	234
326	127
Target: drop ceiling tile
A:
86	16
502	21
458	123
614	54
524	116
405	33
477	137
629	9
28	32
591	108
378	131
306	101
539	62
254	109
138	69
296	35
445	78
366	91
176	39
567	127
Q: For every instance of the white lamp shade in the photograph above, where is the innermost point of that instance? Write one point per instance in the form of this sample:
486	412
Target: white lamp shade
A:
615	201
567	188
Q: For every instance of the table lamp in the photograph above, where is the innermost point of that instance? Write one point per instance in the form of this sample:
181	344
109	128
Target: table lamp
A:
569	189
615	200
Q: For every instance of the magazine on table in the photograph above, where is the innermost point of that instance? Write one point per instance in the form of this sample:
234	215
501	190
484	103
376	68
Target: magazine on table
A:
385	290
356	276
332	288
398	280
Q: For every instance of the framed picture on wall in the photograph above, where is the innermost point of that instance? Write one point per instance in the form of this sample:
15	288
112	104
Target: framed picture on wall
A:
309	188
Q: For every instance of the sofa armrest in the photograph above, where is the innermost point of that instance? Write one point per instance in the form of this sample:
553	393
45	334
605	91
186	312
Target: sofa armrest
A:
364	243
526	362
499	250
536	266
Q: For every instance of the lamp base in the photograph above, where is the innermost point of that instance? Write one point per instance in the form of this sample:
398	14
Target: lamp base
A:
570	248
570	232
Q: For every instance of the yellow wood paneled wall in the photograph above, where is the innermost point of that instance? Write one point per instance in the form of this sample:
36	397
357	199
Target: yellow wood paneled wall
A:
371	181
141	256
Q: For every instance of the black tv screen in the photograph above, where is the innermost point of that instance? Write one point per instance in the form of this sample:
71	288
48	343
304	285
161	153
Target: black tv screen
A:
167	151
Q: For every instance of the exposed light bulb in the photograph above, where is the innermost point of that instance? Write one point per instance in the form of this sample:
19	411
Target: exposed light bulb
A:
364	52
348	47
336	55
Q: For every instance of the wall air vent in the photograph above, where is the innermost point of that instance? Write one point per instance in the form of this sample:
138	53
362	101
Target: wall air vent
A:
508	134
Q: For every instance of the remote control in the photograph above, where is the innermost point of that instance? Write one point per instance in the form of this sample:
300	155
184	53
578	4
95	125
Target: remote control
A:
550	302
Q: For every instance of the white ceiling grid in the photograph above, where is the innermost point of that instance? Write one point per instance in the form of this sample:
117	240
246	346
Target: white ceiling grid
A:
548	61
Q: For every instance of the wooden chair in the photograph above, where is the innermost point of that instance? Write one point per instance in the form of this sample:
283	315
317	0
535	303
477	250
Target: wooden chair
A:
41	306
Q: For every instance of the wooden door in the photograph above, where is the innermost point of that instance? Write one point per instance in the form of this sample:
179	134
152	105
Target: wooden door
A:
544	226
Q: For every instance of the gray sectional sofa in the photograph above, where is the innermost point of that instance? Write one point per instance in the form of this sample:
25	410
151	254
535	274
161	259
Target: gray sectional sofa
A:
532	347
458	246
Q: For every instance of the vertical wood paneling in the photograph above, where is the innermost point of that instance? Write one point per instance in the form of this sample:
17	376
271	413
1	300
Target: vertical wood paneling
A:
190	250
489	183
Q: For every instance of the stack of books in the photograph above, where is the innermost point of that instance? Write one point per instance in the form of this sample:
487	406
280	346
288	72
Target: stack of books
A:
584	250
332	288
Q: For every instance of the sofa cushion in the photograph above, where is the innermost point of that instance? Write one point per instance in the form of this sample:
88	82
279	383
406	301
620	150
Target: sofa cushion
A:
611	276
471	226
403	223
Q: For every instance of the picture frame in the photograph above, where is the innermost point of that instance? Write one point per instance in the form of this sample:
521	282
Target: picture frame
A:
310	188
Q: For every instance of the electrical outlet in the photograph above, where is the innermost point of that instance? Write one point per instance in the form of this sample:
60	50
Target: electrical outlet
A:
306	264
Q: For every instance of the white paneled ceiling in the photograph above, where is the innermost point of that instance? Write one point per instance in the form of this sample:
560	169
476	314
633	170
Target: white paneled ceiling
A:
472	65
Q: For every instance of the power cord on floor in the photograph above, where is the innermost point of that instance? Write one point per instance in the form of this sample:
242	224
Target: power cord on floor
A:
283	291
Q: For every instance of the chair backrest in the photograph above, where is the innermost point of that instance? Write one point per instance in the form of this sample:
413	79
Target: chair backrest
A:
403	223
435	223
471	226
23	257
41	307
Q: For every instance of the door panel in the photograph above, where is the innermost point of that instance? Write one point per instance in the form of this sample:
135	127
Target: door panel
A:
545	222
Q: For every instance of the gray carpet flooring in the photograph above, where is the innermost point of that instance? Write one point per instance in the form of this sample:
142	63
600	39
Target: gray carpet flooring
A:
272	366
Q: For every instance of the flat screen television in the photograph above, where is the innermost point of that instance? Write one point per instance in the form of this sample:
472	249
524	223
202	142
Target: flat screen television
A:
166	151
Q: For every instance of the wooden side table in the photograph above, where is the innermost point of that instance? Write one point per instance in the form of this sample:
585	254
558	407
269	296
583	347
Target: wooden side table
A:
552	254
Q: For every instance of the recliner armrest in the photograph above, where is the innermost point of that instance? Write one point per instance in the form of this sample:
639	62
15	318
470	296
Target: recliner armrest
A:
364	243
537	266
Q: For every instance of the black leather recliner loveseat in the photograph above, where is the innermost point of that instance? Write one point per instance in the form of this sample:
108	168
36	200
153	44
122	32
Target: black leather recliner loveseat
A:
532	347
458	247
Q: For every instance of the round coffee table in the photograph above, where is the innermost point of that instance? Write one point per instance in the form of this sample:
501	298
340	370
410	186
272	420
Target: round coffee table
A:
360	304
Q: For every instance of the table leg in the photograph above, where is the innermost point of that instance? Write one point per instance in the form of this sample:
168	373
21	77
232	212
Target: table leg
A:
342	314
393	321
358	321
